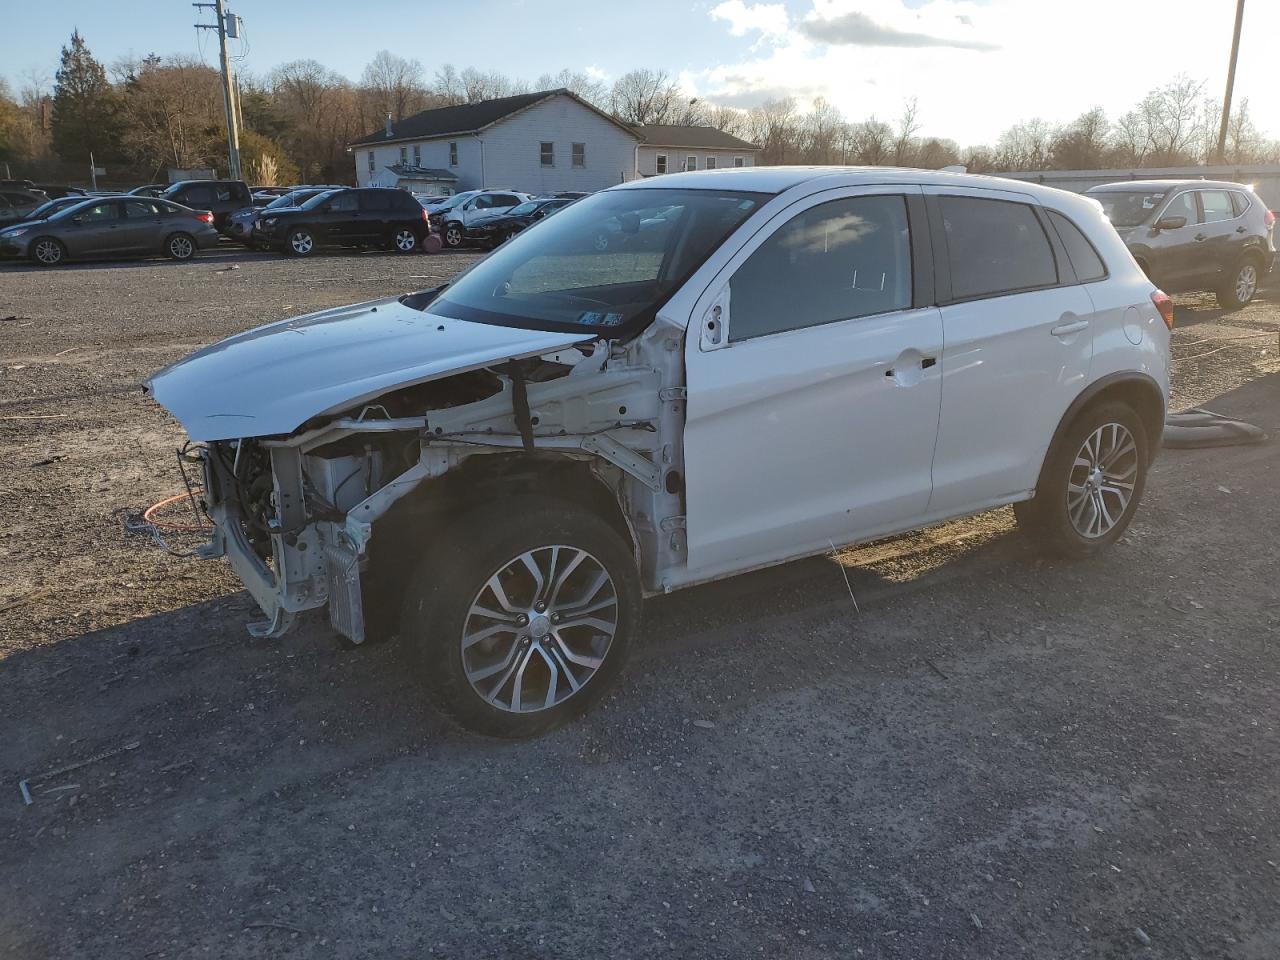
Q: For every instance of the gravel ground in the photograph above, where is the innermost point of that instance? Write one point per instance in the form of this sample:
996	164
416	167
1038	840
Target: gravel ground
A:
991	756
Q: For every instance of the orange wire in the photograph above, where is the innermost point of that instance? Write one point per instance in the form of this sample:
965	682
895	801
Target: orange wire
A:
169	524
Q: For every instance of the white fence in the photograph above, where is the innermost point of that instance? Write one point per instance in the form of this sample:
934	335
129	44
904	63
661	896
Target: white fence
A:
1264	178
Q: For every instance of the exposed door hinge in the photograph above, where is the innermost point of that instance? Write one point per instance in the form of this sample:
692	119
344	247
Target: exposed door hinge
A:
673	393
672	523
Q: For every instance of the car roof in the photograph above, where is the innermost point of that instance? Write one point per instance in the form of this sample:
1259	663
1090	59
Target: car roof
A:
780	179
1130	186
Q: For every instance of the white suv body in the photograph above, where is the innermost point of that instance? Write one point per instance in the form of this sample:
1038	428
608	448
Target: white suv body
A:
763	364
454	219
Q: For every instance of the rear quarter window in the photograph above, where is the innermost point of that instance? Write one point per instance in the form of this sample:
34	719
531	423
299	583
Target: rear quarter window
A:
995	247
1239	202
1084	258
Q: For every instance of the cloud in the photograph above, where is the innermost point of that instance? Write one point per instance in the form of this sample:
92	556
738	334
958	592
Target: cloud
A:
859	30
595	73
768	19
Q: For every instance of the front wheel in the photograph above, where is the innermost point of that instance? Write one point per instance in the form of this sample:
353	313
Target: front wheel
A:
1090	484
301	243
48	252
524	619
453	235
1240	287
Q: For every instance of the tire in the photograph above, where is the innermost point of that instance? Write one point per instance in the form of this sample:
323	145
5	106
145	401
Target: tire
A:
300	242
431	243
1241	285
180	246
453	235
48	252
1064	517
482	685
404	240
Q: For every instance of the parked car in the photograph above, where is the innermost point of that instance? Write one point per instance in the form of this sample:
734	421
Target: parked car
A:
240	225
17	205
452	219
149	190
351	217
114	227
50	207
56	190
497	227
263	195
812	357
220	197
1194	234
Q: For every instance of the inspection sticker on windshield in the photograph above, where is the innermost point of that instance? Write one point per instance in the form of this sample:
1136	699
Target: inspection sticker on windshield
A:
600	319
1151	201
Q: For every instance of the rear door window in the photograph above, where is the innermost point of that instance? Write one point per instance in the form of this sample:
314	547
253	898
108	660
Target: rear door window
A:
995	247
99	213
851	257
505	200
1239	202
344	203
375	201
140	210
1084	258
196	195
1217	205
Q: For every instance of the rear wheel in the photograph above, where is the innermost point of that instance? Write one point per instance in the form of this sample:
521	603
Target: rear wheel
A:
48	252
300	243
180	246
1090	484
405	241
453	235
524	619
1241	285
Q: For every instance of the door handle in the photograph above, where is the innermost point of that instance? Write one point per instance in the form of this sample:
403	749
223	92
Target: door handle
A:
1240	229
1200	236
925	364
1069	327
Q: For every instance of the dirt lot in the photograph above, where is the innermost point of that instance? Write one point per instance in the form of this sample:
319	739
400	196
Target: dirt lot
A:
993	756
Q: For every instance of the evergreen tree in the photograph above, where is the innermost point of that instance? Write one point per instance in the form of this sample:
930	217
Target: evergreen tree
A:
84	117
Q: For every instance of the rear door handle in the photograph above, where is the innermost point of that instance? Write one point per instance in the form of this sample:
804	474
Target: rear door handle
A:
1240	229
1070	327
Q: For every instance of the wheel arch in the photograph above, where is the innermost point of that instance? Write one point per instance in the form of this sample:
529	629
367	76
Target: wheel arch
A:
1138	390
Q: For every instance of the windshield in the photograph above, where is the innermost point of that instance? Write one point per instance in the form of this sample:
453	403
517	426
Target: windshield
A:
456	199
318	199
1128	209
603	265
523	209
290	199
46	209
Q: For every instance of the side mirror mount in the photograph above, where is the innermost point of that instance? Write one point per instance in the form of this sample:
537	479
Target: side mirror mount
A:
1170	223
77	219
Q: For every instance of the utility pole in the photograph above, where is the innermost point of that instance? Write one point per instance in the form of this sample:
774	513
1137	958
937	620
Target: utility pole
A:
1231	82
228	93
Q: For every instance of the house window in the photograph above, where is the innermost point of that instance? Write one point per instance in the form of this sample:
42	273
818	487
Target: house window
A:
453	154
662	162
691	162
739	162
579	154
711	163
547	153
404	154
371	164
417	154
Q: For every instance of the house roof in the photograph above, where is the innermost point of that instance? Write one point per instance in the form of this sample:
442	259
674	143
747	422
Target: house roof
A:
696	138
413	172
471	118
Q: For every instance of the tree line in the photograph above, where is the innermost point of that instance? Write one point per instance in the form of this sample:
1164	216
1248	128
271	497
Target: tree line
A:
140	117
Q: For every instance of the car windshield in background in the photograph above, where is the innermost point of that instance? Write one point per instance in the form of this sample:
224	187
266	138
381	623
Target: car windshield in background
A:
1128	209
289	199
524	208
603	265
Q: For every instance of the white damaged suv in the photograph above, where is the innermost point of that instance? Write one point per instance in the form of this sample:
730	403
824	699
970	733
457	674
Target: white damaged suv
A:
763	363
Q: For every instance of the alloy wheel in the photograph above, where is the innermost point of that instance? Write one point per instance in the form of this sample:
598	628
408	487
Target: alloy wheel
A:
1103	477
453	236
48	252
406	240
1246	283
181	248
539	629
301	242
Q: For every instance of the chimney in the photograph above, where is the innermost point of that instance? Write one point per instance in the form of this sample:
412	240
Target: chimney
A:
390	134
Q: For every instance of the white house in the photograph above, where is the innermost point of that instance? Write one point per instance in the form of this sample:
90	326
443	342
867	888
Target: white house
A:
536	142
668	149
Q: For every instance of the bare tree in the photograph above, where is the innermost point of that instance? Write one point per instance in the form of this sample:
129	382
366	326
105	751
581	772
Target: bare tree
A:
169	108
871	142
729	119
395	84
1083	144
773	127
820	131
1025	146
908	124
644	96
595	92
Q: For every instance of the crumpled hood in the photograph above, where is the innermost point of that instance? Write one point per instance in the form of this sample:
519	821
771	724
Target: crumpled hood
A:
272	379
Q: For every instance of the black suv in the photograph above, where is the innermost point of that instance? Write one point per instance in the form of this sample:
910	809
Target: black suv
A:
222	198
494	229
1194	234
370	216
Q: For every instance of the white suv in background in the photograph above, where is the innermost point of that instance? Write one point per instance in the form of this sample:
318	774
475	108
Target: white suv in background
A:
760	364
451	218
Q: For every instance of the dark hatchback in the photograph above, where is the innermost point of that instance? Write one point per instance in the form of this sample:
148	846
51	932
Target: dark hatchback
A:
493	230
355	217
1194	234
111	227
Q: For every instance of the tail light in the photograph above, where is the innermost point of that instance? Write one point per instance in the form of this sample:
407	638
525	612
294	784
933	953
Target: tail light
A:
1269	219
426	218
204	216
1164	304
